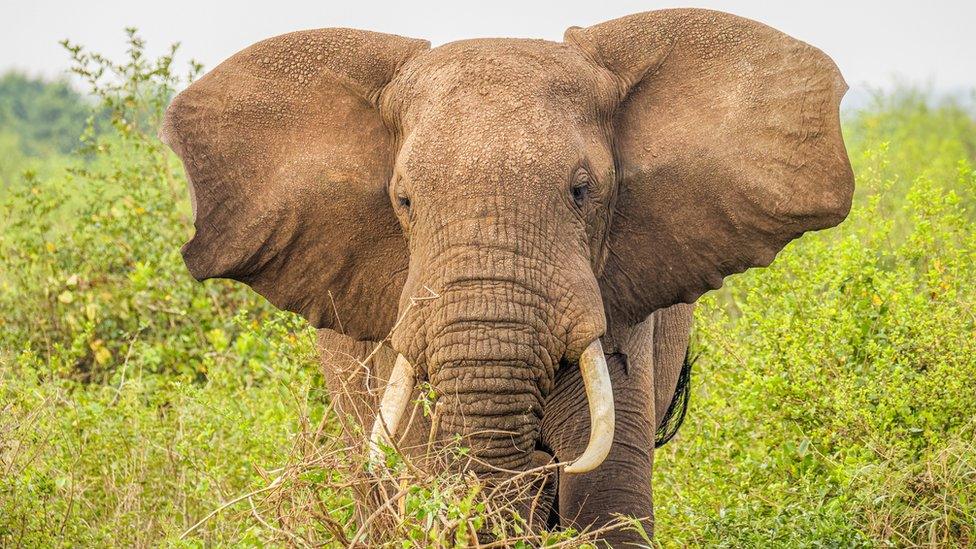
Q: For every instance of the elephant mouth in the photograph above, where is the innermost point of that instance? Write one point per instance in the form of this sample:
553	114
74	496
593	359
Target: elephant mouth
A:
599	393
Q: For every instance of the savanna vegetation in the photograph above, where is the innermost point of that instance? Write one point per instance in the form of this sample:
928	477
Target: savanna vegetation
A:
833	401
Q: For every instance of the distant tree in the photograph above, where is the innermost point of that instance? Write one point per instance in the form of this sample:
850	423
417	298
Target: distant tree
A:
46	116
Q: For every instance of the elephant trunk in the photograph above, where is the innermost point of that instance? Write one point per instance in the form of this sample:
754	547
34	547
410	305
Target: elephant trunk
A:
490	389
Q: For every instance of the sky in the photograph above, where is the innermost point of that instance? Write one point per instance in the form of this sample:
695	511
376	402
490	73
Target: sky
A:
876	44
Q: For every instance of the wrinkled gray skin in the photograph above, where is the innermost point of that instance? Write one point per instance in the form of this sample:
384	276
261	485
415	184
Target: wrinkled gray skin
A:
549	194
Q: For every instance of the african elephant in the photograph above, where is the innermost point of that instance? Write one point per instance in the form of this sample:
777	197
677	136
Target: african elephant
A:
555	206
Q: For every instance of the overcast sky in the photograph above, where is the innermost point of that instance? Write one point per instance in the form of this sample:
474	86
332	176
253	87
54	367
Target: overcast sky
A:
875	43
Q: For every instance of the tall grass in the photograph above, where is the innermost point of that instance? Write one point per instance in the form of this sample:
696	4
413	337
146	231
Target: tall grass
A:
833	398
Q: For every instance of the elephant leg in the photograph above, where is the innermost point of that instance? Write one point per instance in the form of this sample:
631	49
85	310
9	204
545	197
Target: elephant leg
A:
622	484
356	373
644	376
353	375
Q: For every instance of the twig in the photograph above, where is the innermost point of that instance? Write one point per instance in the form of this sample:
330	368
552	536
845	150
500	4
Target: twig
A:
125	364
238	499
369	520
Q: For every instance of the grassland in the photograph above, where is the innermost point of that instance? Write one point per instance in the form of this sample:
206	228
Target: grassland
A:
834	393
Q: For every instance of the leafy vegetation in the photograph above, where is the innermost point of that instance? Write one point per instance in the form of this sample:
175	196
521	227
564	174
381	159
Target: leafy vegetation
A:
833	399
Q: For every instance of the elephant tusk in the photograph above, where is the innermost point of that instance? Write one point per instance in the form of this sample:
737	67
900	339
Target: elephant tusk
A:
599	395
395	399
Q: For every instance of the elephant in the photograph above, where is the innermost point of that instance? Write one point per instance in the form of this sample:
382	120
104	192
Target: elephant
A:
522	226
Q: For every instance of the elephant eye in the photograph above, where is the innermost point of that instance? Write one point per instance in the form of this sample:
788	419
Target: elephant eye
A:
581	187
403	201
400	195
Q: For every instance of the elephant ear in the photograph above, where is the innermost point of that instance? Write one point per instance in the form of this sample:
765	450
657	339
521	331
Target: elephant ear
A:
728	147
288	160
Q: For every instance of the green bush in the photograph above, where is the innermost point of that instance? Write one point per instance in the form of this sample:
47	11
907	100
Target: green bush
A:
833	398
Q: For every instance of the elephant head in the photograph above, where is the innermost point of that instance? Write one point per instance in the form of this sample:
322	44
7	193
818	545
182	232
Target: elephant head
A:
545	192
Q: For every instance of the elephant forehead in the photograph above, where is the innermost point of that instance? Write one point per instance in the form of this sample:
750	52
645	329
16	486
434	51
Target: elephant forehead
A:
498	77
490	154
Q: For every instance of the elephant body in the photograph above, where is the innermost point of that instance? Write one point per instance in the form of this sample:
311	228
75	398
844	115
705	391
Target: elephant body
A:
647	360
519	225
